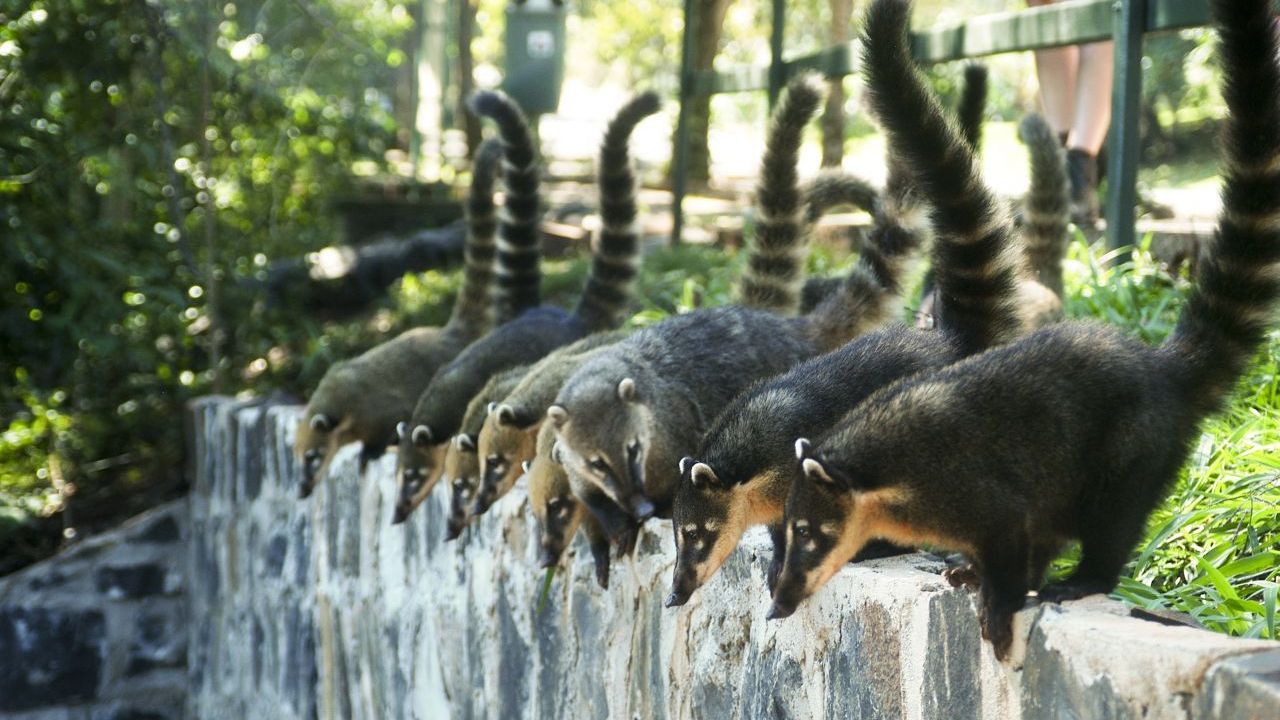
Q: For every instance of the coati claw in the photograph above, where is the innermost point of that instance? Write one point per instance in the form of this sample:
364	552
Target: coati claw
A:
962	576
1070	590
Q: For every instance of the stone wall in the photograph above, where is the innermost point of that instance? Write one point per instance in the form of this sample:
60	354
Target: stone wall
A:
322	607
100	632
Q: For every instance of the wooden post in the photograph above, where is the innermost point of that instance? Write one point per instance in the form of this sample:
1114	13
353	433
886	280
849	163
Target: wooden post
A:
1126	94
680	153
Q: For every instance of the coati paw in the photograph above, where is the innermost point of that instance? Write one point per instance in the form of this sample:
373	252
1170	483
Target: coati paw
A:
997	628
1070	590
625	541
963	576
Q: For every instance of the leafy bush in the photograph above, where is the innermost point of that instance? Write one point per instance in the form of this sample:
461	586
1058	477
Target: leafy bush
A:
130	199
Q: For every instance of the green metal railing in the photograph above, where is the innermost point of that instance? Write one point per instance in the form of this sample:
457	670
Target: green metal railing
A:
1066	23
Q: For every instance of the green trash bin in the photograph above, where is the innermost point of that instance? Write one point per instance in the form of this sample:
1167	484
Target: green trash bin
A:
535	55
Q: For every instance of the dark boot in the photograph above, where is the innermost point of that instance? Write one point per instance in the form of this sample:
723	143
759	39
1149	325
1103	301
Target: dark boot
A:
1083	170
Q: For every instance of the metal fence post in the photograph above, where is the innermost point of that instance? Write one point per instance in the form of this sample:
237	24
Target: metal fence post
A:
1126	94
680	153
777	71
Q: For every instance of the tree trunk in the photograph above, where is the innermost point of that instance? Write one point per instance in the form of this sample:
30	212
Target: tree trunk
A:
833	114
466	79
710	23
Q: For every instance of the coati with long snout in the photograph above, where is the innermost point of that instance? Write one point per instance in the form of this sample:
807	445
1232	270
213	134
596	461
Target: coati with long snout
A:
745	464
628	414
461	461
1074	432
536	329
362	399
559	512
508	435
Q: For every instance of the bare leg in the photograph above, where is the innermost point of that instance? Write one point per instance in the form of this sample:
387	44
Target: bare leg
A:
1093	98
1056	71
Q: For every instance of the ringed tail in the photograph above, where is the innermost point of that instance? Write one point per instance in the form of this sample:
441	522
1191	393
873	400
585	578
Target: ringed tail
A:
976	263
775	263
1048	203
831	188
615	261
972	108
1231	308
519	251
474	305
872	293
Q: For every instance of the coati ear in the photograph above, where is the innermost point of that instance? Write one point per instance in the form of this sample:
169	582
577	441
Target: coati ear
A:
402	430
555	453
321	422
814	471
464	442
525	466
627	390
488	409
685	462
803	448
557	415
703	476
422	436
506	415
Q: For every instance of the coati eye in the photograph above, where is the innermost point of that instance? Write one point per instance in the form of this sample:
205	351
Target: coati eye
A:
459	483
801	531
600	466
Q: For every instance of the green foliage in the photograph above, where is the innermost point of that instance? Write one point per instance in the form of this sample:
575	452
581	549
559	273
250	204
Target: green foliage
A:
113	164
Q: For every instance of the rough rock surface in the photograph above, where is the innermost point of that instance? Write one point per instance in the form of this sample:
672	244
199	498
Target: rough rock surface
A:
100	631
323	607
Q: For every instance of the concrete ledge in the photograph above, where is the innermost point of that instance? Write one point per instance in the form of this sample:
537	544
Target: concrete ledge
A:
323	607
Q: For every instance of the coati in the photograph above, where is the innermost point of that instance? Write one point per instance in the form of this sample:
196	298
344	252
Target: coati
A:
559	512
507	437
1075	431
745	464
535	330
629	413
362	399
461	461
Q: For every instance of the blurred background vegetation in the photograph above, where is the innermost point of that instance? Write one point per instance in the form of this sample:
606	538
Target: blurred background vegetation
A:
158	156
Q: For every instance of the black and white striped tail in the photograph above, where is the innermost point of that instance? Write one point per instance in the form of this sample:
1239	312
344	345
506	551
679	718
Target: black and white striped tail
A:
976	263
1232	307
474	307
775	263
1048	204
519	248
616	258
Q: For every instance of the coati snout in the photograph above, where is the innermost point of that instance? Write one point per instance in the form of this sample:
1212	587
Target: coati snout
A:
418	470
708	517
819	520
